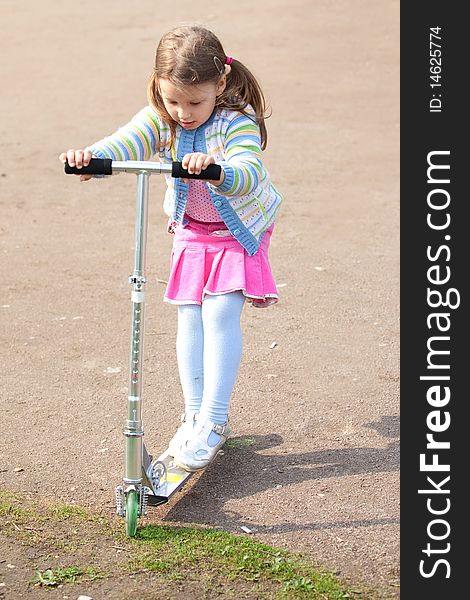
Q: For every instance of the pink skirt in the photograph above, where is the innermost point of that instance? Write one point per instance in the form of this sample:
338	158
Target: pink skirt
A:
205	260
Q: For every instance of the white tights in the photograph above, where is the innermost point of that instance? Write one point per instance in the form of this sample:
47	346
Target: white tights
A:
209	349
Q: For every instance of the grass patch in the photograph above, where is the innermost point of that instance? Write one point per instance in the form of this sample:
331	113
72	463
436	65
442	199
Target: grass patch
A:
8	509
60	526
175	550
70	511
191	558
15	506
62	575
12	510
238	442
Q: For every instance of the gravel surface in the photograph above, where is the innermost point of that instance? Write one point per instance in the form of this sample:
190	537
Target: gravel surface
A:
314	465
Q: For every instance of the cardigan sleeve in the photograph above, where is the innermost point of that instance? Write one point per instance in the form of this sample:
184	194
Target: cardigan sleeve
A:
243	167
138	140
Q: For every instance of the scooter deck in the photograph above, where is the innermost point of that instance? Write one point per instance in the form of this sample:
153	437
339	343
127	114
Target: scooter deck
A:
173	478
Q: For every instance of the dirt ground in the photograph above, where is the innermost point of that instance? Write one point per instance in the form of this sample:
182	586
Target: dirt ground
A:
317	466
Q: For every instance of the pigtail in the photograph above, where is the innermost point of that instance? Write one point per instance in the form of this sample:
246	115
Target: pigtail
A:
243	89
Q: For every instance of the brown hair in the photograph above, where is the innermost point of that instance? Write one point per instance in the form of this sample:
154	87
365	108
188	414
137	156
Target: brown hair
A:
190	55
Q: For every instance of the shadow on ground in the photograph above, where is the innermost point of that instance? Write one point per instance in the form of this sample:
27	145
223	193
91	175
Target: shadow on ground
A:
246	469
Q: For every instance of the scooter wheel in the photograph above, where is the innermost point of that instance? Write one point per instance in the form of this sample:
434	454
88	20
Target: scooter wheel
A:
132	509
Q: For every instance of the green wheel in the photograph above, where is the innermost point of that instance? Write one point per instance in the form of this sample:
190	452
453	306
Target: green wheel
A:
132	509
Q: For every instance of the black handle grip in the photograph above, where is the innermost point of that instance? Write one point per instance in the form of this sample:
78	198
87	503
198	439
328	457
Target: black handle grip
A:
212	172
96	166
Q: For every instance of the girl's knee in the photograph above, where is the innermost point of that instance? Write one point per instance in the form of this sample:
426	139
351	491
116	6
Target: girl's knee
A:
189	311
222	309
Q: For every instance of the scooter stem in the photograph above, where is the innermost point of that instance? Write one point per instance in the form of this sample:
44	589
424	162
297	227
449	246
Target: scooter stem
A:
134	429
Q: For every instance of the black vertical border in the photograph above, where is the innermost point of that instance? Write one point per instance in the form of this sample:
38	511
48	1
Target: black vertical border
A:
422	132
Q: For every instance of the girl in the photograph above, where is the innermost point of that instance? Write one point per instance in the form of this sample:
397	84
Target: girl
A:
205	107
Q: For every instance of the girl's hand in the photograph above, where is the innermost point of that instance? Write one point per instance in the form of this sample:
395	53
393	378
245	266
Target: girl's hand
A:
195	162
77	158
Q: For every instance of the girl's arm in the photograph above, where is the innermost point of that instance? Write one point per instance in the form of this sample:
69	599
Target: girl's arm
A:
243	167
138	140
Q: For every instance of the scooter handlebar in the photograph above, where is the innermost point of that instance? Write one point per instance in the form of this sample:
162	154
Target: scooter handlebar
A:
104	166
211	172
96	166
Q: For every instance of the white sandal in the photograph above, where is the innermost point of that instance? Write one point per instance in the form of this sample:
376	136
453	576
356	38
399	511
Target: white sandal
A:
196	453
183	433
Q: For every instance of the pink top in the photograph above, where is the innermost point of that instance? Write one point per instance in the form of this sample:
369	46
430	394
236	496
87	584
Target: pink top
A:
199	205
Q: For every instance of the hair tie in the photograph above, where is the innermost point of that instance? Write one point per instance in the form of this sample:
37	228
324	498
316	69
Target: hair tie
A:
228	60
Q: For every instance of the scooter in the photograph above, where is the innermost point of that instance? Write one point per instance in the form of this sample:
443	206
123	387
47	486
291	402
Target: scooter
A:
147	481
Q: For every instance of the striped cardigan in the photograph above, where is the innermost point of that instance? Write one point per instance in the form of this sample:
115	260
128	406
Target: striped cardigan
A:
247	201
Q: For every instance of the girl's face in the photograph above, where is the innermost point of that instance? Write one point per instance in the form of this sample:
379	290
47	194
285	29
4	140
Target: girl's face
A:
191	105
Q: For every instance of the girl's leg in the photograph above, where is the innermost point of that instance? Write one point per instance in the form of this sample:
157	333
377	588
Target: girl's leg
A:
222	354
189	353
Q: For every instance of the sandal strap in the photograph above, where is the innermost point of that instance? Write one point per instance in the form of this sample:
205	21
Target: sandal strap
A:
220	428
191	416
